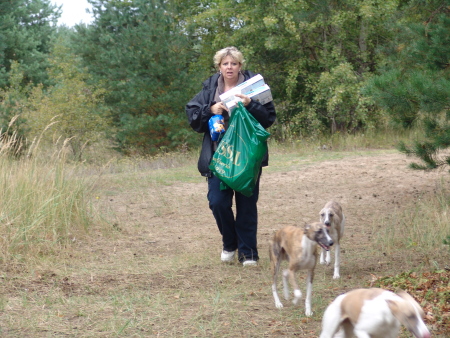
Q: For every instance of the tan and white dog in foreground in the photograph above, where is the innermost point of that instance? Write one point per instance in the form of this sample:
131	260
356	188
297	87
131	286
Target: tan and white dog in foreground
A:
333	217
373	313
298	246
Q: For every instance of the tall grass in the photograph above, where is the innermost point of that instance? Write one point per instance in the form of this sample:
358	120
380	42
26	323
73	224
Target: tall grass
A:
422	226
386	138
44	203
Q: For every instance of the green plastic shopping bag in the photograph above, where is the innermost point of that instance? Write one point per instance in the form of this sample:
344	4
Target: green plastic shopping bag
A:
237	160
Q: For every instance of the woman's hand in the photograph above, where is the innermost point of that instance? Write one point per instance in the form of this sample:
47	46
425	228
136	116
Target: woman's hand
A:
218	108
245	99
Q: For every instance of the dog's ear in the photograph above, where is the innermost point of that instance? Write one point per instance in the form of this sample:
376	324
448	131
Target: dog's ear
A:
393	305
400	312
403	294
410	299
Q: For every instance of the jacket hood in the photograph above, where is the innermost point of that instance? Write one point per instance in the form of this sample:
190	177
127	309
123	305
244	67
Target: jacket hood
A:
210	83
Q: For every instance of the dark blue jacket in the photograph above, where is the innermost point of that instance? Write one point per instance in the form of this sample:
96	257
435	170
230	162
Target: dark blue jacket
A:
198	111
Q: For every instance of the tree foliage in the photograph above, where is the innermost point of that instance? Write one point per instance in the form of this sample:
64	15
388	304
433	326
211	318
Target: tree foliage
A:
71	110
136	49
26	28
414	84
13	104
293	43
331	65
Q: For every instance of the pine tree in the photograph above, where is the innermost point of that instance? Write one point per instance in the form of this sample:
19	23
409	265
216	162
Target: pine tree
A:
414	85
26	28
136	49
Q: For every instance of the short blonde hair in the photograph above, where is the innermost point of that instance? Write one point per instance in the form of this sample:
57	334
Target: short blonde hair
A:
228	51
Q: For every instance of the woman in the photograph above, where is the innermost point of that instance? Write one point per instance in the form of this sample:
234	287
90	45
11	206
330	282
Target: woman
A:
238	233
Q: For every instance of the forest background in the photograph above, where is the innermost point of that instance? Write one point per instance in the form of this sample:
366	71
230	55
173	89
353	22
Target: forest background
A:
123	80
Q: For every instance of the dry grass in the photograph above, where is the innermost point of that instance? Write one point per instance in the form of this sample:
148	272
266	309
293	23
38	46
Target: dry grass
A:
153	269
412	224
46	203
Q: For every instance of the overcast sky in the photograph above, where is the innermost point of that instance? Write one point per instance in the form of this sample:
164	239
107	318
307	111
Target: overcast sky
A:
73	12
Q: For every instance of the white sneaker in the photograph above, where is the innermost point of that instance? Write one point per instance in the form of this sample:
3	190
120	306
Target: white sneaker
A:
227	256
249	262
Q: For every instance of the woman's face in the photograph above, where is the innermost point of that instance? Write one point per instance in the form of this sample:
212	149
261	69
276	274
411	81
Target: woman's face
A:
230	68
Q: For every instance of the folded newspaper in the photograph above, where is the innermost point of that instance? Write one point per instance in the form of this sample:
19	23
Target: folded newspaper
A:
255	88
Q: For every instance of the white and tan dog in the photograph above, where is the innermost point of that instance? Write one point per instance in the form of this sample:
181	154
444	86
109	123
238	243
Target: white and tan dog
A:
299	247
373	313
333	217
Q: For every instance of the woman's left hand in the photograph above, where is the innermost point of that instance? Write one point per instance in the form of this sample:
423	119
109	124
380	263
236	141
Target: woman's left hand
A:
245	99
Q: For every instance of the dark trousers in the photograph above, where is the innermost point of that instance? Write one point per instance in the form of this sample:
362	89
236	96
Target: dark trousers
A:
240	232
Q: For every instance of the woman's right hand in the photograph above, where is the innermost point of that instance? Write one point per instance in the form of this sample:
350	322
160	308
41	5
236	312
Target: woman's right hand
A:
218	108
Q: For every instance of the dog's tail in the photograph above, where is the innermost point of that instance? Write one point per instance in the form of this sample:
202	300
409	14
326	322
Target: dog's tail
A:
275	255
332	318
272	248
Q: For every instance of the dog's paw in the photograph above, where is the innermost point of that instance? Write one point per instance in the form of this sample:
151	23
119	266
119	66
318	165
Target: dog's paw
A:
336	276
278	305
297	296
308	313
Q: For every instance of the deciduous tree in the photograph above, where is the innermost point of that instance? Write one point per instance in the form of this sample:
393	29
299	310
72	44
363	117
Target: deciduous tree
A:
71	110
297	45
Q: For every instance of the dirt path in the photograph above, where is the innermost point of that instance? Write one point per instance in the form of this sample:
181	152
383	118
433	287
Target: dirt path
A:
159	273
175	220
370	188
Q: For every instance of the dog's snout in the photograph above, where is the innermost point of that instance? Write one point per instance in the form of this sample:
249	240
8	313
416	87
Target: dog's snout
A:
331	243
